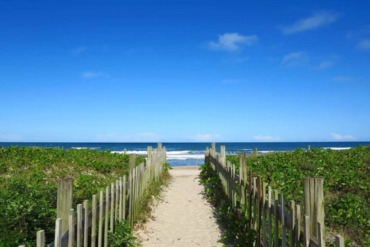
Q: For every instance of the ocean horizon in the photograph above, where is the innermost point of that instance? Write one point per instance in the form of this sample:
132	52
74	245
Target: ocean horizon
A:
191	153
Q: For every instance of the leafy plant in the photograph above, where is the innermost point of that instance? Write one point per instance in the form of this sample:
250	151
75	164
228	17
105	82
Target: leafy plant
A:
122	236
346	183
28	186
234	223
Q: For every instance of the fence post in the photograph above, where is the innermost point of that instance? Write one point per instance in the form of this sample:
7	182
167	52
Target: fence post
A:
132	161
298	225
242	181
79	225
101	211
314	206
106	216
339	241
124	193
40	238
64	201
93	220
58	232
71	231
223	154
259	210
86	223
112	193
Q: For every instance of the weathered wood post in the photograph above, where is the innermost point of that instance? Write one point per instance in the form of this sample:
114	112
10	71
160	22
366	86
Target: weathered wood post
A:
93	220
40	238
223	154
132	163
64	201
149	163
71	231
86	222
314	207
58	232
242	182
339	241
213	146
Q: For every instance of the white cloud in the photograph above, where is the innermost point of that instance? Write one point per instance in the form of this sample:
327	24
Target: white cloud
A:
232	42
342	79
340	137
317	20
266	138
92	75
294	59
5	137
364	45
325	65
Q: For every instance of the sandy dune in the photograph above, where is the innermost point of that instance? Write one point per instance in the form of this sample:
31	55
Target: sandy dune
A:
184	217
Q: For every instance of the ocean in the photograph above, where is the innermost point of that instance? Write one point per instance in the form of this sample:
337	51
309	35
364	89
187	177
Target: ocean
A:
192	154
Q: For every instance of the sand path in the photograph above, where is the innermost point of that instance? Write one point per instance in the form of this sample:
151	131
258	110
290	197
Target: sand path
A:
184	217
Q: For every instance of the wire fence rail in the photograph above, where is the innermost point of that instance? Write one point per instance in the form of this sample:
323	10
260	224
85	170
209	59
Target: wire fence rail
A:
90	223
276	222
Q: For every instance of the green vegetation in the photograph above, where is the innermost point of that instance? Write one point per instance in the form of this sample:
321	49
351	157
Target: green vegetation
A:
28	186
234	223
346	186
153	191
122	236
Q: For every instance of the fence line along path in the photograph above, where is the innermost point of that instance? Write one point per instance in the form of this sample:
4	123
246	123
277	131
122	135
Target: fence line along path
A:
183	217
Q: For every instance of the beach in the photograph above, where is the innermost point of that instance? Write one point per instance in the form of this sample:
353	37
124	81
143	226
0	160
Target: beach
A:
182	217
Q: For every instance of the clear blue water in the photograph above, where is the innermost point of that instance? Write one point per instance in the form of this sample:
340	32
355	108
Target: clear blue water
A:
180	154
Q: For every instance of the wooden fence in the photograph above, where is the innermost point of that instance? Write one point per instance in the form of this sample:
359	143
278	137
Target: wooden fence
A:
89	225
275	222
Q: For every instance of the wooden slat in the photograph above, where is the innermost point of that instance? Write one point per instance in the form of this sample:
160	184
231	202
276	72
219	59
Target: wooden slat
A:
339	241
124	193
259	210
120	200
283	226
269	201
106	216
86	223
298	226
112	197
101	222
58	233
40	238
117	193
93	220
276	218
293	221
307	231
79	225
71	228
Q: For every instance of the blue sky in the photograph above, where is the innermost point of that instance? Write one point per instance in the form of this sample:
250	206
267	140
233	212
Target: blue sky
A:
196	70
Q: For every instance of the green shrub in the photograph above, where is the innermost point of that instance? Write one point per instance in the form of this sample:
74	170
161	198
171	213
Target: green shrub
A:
346	183
234	223
122	236
28	186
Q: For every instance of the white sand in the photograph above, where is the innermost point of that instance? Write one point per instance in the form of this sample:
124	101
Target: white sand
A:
184	217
